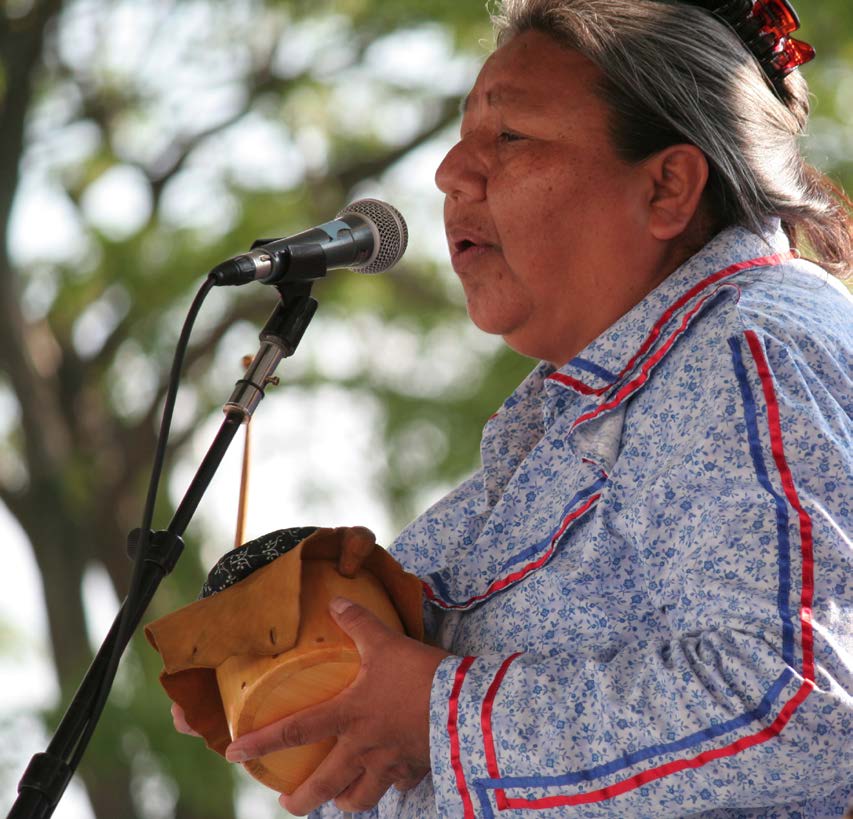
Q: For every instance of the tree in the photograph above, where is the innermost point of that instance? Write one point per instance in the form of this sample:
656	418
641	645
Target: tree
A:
203	126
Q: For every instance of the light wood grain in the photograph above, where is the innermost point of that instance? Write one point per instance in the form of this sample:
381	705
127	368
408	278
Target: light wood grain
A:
257	691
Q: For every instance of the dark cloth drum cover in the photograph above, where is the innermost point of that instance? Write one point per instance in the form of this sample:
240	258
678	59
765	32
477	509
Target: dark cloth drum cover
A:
240	562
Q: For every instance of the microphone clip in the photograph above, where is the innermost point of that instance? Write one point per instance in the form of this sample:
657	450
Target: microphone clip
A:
279	339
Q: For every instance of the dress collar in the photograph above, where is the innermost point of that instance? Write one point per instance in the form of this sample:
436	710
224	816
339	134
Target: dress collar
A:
647	330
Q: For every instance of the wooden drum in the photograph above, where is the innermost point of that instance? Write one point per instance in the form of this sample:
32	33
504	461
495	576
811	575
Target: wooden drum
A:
261	644
257	691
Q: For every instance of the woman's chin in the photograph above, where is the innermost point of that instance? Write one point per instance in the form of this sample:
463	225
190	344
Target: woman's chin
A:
499	319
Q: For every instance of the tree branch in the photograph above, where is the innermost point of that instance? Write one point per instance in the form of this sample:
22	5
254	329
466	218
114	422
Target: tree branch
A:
138	441
21	46
351	174
262	80
173	159
46	438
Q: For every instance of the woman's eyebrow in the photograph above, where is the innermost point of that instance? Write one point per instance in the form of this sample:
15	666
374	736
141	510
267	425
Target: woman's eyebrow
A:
503	94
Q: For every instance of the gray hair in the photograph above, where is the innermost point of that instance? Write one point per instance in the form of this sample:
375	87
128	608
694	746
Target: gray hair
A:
674	73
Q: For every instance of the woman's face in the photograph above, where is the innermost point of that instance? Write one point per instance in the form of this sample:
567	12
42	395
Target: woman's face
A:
544	221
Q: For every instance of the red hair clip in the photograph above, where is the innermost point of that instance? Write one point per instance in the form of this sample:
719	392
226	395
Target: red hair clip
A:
765	26
776	16
778	20
793	54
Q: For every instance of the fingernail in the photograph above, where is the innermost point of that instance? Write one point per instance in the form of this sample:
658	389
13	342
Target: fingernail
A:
236	755
339	605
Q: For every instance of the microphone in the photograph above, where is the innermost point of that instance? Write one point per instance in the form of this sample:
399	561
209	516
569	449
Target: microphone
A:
368	236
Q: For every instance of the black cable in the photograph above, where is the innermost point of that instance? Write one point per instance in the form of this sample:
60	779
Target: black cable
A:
134	593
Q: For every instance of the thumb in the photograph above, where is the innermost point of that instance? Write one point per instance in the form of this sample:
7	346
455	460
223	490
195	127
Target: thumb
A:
361	625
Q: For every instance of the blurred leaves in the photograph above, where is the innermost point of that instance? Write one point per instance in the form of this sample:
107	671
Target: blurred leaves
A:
158	139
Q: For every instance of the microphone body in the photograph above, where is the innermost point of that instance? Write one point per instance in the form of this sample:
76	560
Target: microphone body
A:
367	236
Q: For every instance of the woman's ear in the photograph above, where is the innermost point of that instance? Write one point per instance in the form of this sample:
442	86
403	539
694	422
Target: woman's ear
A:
677	178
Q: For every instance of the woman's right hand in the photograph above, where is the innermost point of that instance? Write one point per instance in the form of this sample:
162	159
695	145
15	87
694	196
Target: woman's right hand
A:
180	721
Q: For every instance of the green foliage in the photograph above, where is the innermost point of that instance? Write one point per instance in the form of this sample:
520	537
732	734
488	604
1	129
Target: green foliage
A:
828	27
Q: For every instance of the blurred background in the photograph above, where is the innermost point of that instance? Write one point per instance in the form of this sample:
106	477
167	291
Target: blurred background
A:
140	144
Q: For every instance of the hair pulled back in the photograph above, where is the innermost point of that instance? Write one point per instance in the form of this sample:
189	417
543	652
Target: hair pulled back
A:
674	73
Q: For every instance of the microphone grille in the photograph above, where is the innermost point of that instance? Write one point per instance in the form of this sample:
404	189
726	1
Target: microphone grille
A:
393	235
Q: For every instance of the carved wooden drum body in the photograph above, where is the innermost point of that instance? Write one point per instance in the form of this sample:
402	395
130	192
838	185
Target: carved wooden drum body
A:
257	691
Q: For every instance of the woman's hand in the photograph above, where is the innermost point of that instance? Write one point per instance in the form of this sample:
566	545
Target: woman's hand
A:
358	543
381	721
180	721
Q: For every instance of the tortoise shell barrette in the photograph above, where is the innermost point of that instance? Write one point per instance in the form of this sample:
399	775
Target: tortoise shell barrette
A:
765	26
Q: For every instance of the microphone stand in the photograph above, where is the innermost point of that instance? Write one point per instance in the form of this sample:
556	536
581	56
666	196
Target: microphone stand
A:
49	773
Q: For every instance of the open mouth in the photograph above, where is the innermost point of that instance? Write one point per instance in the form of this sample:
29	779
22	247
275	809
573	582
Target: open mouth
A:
467	245
467	253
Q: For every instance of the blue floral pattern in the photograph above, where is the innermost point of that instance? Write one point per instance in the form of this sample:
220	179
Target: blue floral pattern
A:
646	585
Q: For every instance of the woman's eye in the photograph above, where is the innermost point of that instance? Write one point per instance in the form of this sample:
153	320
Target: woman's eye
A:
509	136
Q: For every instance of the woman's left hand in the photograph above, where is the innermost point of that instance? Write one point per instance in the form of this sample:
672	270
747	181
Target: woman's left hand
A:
381	721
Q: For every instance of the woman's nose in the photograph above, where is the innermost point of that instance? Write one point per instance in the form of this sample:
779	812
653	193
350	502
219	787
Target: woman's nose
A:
461	173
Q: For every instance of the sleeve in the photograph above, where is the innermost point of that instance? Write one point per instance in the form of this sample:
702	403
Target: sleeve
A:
745	699
327	811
